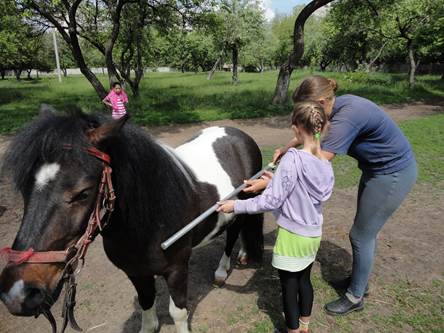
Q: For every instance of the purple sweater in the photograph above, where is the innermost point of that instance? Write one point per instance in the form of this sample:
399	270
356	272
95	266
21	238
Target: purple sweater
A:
296	193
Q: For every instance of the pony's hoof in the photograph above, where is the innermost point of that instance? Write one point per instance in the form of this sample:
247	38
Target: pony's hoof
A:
219	282
242	260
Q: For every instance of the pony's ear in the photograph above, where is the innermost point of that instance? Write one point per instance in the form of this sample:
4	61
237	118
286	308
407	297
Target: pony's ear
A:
106	131
47	110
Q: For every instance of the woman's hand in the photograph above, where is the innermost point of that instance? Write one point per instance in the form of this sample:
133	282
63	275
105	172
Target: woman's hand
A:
257	185
226	206
277	155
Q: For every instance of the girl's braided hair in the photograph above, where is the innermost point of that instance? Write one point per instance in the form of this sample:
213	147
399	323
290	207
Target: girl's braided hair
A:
311	116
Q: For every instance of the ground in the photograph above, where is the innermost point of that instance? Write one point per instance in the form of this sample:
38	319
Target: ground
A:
406	288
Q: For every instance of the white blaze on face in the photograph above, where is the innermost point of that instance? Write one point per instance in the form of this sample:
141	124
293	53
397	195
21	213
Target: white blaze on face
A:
45	174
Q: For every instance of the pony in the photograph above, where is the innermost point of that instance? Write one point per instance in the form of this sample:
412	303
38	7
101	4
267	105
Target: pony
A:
61	164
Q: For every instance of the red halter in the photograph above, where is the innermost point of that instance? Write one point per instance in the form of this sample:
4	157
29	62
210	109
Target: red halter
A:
104	204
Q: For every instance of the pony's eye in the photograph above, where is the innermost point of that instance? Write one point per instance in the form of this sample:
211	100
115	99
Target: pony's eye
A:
83	195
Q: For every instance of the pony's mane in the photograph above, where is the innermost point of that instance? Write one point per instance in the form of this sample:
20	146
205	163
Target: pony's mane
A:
150	186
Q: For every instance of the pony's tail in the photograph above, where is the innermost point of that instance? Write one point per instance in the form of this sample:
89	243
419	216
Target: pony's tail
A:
253	237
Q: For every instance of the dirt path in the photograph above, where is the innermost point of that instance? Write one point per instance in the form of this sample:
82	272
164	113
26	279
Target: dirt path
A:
410	245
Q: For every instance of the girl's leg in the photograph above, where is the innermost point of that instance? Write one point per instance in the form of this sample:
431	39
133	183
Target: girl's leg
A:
305	298
290	287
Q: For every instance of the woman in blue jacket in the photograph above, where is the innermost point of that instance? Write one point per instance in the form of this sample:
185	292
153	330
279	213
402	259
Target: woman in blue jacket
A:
361	129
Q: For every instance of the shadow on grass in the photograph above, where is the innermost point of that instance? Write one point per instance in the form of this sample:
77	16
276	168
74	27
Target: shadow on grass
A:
336	263
181	106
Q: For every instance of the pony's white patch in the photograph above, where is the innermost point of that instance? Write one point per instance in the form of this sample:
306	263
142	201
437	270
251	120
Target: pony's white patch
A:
221	273
180	317
200	157
45	174
16	295
150	323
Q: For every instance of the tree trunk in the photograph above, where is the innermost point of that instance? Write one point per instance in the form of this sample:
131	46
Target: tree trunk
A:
28	71
216	64
235	57
281	91
283	82
37	74
323	65
372	62
65	72
2	73
442	76
113	75
18	73
71	38
412	63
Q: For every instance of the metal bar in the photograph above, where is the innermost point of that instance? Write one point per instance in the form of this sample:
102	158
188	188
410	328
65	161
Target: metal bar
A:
179	234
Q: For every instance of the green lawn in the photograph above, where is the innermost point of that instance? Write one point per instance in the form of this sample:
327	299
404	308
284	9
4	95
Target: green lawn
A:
179	98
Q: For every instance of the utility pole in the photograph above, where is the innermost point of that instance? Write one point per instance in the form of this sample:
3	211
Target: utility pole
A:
56	51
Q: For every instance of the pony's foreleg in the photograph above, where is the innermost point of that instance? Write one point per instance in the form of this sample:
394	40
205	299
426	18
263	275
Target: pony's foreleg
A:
177	282
221	273
146	291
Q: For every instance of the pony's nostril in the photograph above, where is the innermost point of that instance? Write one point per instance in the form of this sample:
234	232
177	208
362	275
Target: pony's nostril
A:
33	297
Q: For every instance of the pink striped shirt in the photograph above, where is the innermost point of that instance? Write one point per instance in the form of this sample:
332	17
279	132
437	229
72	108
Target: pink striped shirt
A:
118	102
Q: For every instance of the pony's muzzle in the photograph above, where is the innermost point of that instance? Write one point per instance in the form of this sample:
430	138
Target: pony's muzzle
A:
21	296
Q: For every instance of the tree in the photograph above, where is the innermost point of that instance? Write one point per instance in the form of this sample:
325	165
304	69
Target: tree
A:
283	82
99	22
240	22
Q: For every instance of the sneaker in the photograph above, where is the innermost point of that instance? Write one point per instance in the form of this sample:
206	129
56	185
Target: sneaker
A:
343	306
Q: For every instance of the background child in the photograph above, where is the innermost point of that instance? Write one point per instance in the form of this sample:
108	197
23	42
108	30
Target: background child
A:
303	181
116	99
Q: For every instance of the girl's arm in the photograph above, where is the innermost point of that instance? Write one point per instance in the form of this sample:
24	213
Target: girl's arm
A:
107	102
274	195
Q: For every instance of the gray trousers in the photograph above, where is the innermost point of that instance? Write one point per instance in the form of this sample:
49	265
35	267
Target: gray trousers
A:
378	197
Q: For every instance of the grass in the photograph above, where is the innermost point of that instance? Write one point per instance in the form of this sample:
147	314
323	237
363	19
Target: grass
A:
396	307
426	137
188	97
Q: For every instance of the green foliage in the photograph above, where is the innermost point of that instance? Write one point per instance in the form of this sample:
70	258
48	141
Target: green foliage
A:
357	33
425	136
282	31
175	97
20	43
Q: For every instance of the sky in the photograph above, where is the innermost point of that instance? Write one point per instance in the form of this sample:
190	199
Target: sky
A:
272	7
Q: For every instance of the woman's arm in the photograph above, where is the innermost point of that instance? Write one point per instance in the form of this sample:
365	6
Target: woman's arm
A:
278	153
327	155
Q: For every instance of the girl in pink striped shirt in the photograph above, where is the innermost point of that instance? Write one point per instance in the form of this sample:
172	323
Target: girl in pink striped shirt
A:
116	99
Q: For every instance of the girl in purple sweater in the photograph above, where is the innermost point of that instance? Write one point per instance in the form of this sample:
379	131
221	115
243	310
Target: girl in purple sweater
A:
302	183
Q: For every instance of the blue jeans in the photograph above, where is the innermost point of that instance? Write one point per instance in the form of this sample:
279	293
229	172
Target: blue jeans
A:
378	197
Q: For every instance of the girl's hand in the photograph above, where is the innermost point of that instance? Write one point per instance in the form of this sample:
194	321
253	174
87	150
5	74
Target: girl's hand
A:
257	185
226	206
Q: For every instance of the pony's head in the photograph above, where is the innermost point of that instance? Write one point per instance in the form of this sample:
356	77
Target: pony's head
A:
59	183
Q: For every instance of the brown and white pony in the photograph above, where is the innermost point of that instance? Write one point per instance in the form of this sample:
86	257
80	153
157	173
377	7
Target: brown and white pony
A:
58	162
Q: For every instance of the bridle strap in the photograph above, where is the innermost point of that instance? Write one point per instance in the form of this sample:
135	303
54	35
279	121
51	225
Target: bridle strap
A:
104	205
32	257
